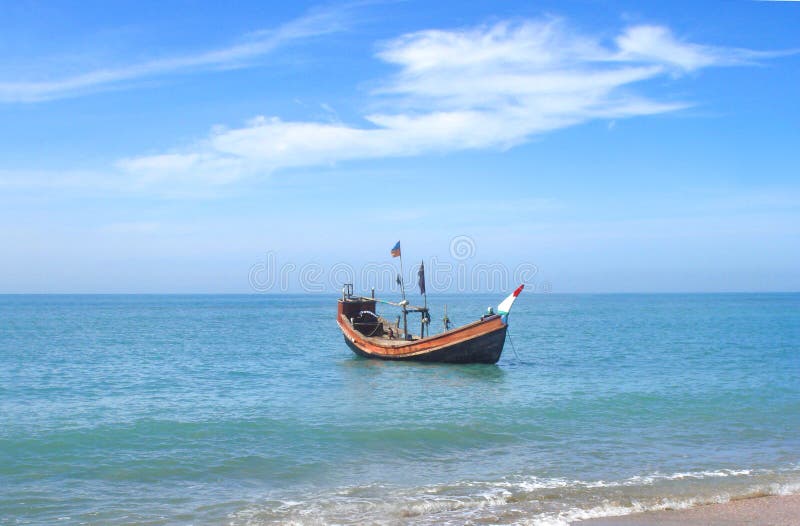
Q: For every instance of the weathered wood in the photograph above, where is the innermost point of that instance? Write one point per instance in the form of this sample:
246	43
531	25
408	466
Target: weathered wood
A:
478	342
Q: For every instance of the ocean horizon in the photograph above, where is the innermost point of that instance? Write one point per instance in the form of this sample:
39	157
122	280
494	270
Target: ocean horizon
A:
250	409
443	295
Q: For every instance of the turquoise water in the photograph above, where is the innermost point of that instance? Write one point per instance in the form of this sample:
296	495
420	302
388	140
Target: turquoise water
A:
251	410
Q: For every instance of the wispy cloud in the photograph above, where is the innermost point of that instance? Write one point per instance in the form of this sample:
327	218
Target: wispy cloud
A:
656	44
492	86
316	22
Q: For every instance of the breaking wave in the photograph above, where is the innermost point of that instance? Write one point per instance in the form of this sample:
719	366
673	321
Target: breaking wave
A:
529	501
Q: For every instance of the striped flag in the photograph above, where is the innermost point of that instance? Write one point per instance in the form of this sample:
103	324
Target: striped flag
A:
505	306
396	250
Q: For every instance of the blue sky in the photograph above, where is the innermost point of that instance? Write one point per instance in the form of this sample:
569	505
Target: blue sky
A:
616	146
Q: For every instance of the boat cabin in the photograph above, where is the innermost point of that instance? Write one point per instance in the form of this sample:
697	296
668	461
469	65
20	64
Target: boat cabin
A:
361	313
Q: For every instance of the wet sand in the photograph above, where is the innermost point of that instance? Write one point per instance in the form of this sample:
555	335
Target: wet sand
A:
759	511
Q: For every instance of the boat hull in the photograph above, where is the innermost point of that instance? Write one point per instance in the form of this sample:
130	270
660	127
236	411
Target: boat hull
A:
482	349
478	342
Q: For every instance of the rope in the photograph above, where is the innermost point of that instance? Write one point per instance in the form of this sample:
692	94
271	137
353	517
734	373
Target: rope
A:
379	323
513	348
375	330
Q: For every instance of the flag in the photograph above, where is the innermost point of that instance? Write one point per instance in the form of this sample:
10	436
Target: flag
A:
396	250
421	275
505	306
399	281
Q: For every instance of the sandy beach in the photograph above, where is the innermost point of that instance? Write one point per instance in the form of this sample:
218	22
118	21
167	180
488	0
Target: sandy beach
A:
759	511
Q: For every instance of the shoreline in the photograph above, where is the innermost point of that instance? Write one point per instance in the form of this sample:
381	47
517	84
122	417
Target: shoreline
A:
769	510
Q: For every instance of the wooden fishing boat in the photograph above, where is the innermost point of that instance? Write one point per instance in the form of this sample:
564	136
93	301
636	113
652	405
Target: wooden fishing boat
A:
372	336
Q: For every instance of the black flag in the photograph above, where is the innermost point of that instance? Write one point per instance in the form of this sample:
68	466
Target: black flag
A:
398	280
421	275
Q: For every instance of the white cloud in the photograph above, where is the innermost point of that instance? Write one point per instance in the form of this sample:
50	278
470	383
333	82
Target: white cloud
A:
656	44
315	23
492	86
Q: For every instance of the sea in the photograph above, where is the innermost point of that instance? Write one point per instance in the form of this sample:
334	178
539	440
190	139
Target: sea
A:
251	410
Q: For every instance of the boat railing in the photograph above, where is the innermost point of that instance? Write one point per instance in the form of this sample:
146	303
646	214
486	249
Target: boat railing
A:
401	304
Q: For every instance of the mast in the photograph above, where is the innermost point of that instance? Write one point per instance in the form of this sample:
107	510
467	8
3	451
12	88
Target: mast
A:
424	317
405	321
402	281
404	302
